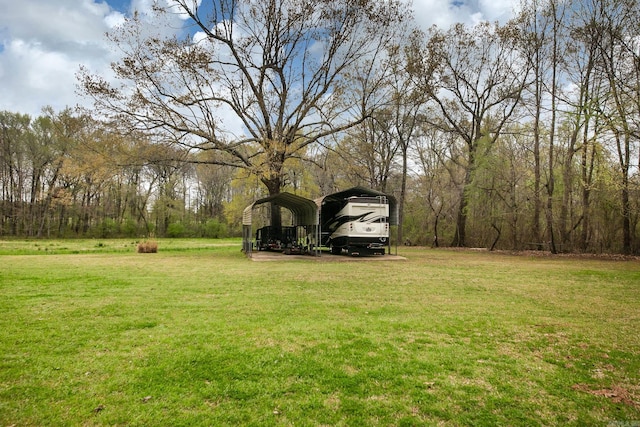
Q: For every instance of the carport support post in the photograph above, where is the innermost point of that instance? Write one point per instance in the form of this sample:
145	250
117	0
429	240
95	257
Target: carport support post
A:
397	238
317	238
247	244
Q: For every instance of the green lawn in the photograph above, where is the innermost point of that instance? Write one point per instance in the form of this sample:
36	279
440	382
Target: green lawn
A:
93	333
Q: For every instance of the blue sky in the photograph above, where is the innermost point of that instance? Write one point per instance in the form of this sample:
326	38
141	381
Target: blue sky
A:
120	5
43	43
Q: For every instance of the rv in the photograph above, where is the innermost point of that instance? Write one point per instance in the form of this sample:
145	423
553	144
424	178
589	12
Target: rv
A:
357	224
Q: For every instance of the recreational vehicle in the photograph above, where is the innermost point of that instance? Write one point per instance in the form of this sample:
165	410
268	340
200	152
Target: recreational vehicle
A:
357	224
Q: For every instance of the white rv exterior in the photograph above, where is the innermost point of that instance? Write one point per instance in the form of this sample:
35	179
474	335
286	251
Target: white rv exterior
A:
361	226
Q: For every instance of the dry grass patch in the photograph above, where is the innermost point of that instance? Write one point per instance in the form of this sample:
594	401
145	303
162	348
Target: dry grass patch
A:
616	393
150	247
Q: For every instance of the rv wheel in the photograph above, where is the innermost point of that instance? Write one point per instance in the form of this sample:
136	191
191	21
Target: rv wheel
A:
335	250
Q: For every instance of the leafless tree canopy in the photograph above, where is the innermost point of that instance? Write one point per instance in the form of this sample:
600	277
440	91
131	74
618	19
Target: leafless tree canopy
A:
275	70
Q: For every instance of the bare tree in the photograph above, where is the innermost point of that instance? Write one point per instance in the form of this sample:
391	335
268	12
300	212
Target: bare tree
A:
15	131
476	77
583	121
556	14
537	23
404	107
616	22
437	185
274	67
367	150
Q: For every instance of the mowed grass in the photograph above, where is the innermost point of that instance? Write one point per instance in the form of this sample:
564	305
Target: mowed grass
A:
196	334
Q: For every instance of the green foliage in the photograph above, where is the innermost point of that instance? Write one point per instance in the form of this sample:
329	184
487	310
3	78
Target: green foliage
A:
108	228
441	338
214	229
176	229
246	189
129	228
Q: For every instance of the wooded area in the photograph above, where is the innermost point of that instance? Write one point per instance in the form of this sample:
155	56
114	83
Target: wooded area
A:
524	135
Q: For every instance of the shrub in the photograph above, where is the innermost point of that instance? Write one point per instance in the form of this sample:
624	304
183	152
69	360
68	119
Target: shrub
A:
215	229
176	229
129	228
107	228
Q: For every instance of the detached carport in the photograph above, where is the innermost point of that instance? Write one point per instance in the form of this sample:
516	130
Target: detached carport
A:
304	214
332	203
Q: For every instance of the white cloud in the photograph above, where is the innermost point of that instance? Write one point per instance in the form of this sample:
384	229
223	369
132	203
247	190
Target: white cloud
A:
444	13
194	4
44	42
498	10
436	12
114	19
145	9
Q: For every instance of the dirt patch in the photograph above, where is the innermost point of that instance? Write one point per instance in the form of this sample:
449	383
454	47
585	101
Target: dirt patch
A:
616	393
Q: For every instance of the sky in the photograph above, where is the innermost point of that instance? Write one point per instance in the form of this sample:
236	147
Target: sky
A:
43	43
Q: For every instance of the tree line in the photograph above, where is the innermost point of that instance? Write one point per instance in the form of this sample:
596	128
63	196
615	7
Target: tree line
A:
522	135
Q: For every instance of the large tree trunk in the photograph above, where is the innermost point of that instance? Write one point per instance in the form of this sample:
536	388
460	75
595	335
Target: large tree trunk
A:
459	238
403	191
274	185
587	167
47	202
552	131
461	222
537	202
626	214
565	209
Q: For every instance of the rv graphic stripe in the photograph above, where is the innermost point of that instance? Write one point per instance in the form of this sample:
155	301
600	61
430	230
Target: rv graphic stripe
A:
341	220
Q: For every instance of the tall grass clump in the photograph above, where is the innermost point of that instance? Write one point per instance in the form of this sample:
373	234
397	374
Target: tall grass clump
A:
149	247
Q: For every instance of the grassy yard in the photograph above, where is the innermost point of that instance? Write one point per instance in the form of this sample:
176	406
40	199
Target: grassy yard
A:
93	333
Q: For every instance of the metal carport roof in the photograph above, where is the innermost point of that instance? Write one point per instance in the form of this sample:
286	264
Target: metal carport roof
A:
305	211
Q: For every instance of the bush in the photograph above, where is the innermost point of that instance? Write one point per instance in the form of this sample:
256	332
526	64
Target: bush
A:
147	247
176	229
107	228
215	229
129	228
